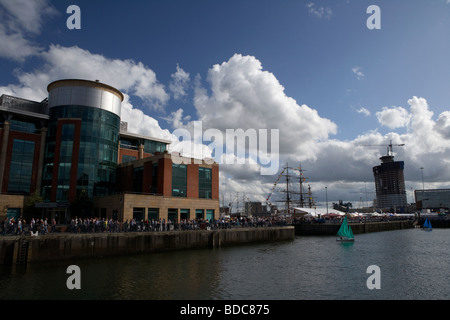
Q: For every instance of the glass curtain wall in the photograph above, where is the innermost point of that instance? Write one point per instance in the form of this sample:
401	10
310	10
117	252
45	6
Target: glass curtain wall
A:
98	151
204	183
21	166
179	180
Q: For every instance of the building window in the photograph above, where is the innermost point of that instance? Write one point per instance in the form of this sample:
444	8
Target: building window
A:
13	213
126	158
151	146
172	214
65	161
179	180
21	166
210	214
184	214
128	144
153	214
138	214
204	183
22	126
199	214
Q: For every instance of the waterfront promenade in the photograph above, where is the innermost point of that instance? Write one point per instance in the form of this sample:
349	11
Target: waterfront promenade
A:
101	225
67	245
100	237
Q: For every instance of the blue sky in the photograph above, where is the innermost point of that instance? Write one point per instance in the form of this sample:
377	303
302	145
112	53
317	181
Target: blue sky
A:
357	85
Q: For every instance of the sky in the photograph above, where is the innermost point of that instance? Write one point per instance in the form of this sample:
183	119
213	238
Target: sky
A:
328	89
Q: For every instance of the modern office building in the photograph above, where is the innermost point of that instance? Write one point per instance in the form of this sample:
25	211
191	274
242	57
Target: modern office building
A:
436	200
157	187
390	185
23	131
73	145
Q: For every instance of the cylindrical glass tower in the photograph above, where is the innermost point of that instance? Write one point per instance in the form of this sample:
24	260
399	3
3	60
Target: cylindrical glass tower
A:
82	141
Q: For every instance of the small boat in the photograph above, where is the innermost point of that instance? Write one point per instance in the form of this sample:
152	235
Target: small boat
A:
345	233
427	225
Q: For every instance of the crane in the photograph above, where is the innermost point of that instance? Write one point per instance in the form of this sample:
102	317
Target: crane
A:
389	147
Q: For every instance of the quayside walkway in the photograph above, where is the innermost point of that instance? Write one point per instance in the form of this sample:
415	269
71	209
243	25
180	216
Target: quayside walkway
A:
366	225
66	245
101	225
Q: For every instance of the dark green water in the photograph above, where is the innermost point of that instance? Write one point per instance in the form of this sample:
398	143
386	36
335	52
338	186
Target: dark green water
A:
414	264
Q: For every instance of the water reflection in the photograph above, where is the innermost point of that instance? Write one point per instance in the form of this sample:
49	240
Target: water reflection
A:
414	265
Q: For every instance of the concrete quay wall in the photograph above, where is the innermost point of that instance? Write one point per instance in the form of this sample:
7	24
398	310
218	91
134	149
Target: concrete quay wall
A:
28	249
332	229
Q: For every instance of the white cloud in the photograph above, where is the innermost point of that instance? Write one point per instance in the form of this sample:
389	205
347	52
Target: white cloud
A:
19	20
238	94
139	122
126	75
179	83
243	96
442	125
363	111
73	62
394	117
319	11
359	74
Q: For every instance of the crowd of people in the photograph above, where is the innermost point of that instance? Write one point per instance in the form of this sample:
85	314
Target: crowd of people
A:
352	219
21	227
98	225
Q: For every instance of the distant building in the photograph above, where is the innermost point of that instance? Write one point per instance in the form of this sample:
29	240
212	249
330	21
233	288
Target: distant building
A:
433	199
390	185
254	208
73	144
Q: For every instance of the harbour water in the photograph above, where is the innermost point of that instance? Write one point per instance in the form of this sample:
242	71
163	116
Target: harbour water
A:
413	264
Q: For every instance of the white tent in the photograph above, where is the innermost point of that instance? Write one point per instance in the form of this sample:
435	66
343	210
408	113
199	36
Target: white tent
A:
315	212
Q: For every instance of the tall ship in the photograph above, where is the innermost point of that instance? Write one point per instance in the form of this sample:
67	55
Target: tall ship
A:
294	195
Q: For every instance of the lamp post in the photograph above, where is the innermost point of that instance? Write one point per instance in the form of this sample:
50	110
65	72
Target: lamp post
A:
423	184
423	188
326	197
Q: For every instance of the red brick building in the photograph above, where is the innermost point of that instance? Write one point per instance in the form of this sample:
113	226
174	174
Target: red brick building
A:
73	143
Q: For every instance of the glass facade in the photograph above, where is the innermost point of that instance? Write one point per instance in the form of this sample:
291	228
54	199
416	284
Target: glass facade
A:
21	166
153	214
126	158
172	214
98	151
22	126
138	214
128	144
204	183
13	213
434	199
184	214
65	161
210	214
179	180
199	214
151	146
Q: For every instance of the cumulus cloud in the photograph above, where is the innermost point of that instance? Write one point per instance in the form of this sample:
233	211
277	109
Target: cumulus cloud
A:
21	19
238	94
73	62
394	117
245	96
139	122
179	83
442	125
